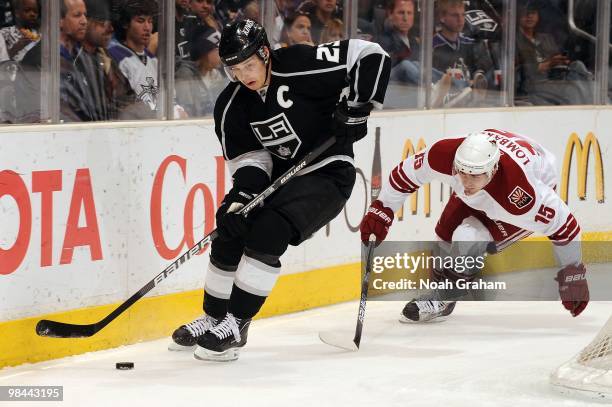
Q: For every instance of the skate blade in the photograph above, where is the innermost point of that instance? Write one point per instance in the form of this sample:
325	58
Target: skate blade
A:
175	347
201	353
433	320
337	340
601	396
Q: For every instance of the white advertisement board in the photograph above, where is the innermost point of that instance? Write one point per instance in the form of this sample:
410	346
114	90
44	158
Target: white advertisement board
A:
89	214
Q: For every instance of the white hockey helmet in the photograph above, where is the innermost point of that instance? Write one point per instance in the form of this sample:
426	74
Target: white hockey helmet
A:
477	154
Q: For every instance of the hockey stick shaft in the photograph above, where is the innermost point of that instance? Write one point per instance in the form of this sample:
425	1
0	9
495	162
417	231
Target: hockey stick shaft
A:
65	330
342	341
364	294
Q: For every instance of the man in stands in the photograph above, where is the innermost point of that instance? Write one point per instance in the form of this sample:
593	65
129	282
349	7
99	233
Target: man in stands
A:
184	26
76	101
457	55
113	97
400	42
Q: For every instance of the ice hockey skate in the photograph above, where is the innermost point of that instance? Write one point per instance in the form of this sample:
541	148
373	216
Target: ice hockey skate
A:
223	342
185	337
425	311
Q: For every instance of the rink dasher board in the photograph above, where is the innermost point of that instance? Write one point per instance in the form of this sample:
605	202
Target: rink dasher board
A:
141	178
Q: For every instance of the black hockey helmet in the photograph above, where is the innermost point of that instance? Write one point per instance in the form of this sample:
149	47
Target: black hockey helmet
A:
242	39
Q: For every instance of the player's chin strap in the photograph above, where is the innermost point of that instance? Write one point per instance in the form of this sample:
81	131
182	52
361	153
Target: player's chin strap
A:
267	62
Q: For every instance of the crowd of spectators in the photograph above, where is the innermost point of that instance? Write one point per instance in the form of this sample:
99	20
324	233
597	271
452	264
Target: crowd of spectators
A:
466	61
109	65
109	68
547	72
467	41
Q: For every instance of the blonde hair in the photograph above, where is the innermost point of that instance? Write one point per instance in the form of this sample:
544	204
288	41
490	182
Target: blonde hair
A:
444	5
335	24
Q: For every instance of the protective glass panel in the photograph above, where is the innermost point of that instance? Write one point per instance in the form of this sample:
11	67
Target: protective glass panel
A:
20	62
466	54
395	26
109	69
199	76
610	63
307	22
555	52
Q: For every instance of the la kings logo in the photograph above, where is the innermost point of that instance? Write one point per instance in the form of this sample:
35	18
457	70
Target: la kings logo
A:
277	136
519	197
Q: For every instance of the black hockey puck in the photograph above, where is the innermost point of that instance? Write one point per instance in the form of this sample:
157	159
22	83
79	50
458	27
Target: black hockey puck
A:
124	365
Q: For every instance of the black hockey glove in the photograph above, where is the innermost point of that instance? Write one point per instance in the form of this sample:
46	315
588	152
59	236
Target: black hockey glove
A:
351	123
231	224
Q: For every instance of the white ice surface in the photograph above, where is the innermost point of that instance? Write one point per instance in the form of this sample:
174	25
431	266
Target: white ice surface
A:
486	354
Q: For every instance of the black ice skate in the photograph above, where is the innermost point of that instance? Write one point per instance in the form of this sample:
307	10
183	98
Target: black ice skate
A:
185	336
223	342
424	311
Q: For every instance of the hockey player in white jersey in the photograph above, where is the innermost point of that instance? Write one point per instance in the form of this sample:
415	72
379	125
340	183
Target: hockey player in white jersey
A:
281	105
503	190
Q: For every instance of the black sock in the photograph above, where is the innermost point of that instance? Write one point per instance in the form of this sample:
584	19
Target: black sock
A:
244	305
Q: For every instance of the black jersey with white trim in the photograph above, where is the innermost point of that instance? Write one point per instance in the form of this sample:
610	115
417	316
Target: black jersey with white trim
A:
295	114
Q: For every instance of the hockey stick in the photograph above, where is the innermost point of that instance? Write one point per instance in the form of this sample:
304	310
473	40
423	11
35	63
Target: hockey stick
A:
65	330
333	338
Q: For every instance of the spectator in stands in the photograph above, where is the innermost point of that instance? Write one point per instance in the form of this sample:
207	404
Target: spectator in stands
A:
6	13
296	30
544	69
112	95
459	57
22	36
321	12
8	72
249	10
400	42
539	53
284	9
334	31
226	10
184	25
73	25
76	101
199	82
204	10
27	87
133	30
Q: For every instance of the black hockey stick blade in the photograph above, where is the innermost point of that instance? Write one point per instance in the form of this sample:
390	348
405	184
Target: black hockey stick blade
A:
336	339
55	329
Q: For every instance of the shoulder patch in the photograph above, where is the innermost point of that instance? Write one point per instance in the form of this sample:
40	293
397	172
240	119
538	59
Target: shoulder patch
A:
511	188
519	197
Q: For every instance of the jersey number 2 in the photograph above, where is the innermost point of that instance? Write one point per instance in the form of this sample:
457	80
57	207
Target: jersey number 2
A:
329	52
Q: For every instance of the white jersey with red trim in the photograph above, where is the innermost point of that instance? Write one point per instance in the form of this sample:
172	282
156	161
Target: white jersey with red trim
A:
521	193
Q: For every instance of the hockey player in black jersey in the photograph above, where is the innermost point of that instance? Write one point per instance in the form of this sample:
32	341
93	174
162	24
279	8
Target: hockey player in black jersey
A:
281	105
